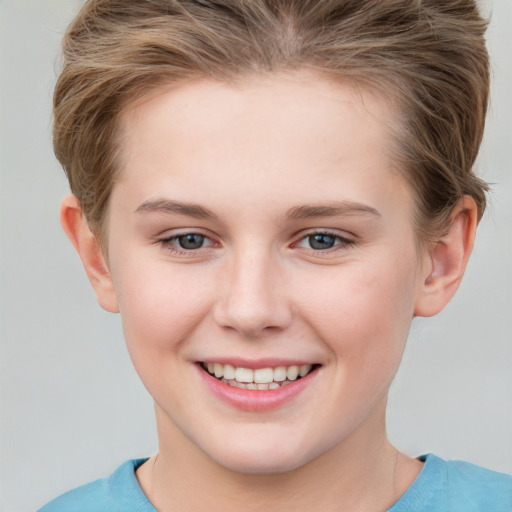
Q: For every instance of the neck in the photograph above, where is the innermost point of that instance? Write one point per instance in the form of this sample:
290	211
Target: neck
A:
363	472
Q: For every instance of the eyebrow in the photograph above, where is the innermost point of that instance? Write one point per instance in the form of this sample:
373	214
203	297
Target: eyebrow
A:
296	213
176	207
331	210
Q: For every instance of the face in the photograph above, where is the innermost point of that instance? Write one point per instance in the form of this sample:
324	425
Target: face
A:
261	233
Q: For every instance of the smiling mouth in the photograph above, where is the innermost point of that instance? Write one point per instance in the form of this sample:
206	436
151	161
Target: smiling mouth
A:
259	379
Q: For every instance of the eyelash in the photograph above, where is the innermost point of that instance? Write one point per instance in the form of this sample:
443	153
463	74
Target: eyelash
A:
340	242
171	243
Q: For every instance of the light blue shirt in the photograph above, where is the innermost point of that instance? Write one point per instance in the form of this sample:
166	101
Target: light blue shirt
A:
442	486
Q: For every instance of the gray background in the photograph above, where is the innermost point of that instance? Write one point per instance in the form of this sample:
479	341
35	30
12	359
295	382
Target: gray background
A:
72	407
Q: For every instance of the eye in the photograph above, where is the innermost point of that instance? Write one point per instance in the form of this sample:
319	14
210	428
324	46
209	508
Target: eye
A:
190	241
186	243
323	241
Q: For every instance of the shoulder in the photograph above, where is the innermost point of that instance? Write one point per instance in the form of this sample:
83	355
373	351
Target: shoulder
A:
118	493
478	487
456	486
93	496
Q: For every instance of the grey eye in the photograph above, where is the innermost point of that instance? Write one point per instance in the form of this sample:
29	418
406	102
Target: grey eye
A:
321	241
191	241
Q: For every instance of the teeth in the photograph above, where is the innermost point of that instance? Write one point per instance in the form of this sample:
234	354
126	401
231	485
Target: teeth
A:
243	375
262	378
304	370
252	385
292	372
229	372
280	373
218	369
263	375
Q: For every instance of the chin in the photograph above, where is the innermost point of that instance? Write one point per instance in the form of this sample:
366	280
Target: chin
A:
258	460
258	466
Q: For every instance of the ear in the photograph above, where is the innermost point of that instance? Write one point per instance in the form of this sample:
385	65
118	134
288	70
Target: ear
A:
90	253
446	261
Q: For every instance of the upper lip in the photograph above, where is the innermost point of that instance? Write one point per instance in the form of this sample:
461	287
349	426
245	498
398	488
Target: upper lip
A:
254	364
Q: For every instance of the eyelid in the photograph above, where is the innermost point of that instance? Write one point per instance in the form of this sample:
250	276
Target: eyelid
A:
167	241
344	241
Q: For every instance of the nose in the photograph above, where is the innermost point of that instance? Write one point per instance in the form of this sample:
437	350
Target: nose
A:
253	296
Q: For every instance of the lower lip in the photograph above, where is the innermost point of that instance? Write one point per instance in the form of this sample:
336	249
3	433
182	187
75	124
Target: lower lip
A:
255	400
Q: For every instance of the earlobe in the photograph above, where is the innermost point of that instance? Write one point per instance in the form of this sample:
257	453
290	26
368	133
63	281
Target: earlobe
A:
447	260
89	250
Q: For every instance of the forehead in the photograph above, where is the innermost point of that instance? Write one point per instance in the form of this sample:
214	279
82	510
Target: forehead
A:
281	103
299	135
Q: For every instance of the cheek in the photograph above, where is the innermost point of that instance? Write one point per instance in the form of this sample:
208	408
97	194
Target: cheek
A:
160	305
364	311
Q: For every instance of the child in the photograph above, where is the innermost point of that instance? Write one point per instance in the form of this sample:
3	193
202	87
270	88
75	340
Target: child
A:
268	192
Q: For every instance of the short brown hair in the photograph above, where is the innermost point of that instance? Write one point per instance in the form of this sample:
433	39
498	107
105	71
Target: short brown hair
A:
429	55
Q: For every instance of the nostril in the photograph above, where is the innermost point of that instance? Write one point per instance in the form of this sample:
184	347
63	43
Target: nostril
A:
253	324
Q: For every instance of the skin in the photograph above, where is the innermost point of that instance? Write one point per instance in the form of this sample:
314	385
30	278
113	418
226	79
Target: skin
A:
250	154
